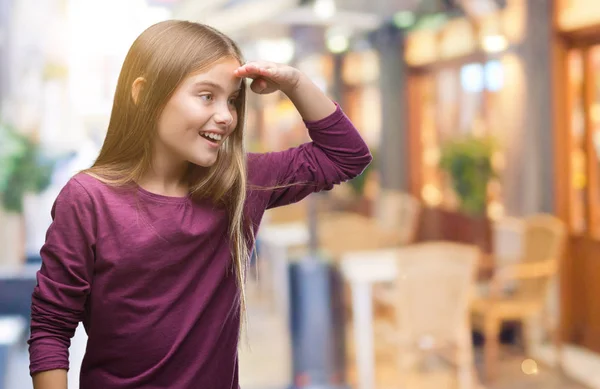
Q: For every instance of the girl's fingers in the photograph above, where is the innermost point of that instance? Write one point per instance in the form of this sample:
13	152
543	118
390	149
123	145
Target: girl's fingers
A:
267	76
253	69
261	64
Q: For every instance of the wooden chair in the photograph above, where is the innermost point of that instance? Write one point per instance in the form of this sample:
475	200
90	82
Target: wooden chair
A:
398	211
544	237
434	289
297	212
395	224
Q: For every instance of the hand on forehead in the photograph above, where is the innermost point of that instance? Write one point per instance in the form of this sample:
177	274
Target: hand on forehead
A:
268	77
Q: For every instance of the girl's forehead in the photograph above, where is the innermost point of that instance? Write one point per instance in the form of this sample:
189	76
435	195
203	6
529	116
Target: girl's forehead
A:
220	73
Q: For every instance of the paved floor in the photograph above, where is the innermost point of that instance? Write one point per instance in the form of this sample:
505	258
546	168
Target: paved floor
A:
266	365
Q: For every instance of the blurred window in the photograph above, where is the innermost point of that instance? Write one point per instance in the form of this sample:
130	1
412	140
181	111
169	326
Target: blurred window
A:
454	101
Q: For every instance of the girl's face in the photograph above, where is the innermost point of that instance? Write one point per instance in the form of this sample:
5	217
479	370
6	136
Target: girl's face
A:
199	116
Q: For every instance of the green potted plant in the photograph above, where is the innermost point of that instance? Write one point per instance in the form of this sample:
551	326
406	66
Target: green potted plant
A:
24	169
468	163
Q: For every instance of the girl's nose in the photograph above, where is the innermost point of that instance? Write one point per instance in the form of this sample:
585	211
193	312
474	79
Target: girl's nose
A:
224	116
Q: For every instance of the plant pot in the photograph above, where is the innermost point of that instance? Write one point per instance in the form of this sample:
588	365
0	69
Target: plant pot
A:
12	239
443	224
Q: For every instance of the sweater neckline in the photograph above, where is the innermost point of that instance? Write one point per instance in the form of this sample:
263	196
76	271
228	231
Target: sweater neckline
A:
163	198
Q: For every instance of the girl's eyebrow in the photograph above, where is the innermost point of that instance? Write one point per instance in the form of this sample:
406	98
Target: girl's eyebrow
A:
214	85
208	83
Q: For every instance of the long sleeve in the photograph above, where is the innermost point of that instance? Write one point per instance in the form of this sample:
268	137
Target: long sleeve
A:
336	154
63	282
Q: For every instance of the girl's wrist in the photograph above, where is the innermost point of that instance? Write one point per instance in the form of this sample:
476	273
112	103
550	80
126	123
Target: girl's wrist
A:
292	90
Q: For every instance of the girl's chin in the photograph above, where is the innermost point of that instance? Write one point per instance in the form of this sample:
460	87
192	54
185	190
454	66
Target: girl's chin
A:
204	162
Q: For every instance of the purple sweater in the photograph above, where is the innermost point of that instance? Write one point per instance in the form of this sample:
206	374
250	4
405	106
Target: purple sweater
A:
150	276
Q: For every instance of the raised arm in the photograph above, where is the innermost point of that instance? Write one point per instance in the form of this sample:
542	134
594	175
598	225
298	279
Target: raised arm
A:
337	152
63	284
311	103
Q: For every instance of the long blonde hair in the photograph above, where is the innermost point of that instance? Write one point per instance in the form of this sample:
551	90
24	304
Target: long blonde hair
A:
164	55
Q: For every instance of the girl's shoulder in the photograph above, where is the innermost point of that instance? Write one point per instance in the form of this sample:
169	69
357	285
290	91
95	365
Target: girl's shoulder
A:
88	182
88	187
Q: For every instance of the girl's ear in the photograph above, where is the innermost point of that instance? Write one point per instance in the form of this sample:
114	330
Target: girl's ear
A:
136	88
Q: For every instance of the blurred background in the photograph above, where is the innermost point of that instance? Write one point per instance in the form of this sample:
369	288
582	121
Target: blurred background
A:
465	256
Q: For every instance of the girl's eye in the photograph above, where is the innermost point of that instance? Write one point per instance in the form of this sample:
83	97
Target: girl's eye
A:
206	97
232	100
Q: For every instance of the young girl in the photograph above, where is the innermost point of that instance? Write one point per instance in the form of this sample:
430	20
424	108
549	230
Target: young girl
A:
148	247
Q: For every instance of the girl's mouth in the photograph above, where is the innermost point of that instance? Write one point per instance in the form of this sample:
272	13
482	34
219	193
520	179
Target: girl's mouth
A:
212	138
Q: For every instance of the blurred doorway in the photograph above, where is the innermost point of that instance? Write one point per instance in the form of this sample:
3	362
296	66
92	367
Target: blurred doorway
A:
577	132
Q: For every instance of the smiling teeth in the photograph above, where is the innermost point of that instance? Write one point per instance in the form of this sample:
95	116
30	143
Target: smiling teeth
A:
210	135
